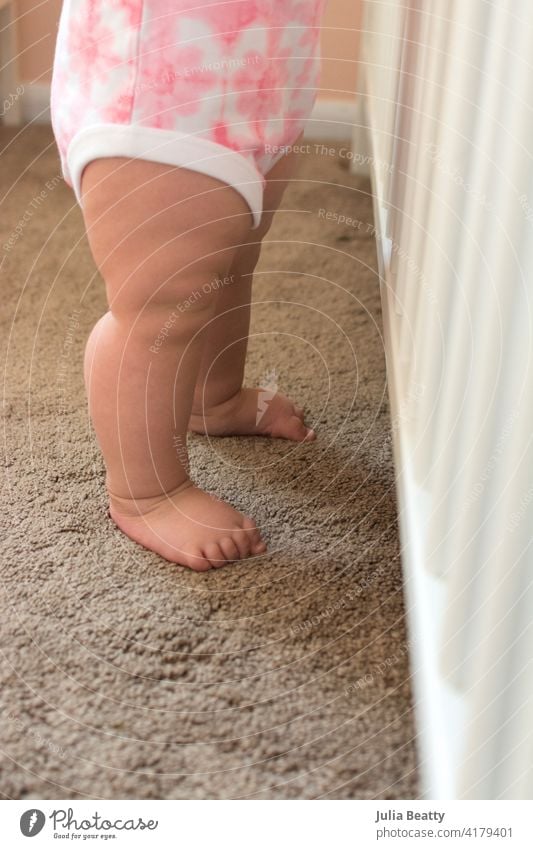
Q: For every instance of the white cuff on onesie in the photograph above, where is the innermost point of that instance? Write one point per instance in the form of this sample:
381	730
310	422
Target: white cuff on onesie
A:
169	147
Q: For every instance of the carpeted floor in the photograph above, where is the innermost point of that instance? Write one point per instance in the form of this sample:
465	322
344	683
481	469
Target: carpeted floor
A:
123	676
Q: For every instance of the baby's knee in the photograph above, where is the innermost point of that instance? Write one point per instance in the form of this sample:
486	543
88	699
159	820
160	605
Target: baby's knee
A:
183	309
178	275
187	294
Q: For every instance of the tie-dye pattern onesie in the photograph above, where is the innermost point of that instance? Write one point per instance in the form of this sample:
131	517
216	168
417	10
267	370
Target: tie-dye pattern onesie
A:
222	88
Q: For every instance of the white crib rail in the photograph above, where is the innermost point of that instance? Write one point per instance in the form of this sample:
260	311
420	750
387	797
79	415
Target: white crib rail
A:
448	102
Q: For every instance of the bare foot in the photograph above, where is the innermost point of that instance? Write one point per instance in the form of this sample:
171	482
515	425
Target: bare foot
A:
253	412
189	527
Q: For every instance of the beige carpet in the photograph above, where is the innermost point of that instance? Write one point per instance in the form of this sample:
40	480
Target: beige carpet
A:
124	676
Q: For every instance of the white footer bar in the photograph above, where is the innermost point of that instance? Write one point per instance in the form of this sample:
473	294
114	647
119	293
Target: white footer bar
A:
265	824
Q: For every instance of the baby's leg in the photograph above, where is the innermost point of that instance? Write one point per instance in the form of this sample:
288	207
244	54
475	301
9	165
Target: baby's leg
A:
159	235
222	405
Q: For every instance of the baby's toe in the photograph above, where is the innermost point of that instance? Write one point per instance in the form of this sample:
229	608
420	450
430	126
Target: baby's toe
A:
297	430
259	547
242	541
195	559
253	531
229	548
214	555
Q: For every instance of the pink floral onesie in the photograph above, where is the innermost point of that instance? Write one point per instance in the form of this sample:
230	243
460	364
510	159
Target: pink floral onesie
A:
222	88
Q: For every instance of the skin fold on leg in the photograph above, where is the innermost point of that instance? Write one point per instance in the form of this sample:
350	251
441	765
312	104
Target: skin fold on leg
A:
159	236
222	405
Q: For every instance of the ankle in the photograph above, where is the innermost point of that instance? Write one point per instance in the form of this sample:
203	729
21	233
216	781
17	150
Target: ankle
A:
131	506
221	402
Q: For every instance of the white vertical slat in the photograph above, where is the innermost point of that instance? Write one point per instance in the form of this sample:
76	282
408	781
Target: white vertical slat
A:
488	422
383	25
497	670
402	119
467	342
393	48
408	250
448	226
464	219
439	43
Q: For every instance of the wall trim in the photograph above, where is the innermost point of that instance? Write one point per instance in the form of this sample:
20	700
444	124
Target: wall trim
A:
35	103
333	119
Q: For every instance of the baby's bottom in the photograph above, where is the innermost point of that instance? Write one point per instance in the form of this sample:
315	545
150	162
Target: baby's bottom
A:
169	355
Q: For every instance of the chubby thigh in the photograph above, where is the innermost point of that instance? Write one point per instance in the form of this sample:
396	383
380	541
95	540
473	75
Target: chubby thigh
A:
158	233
